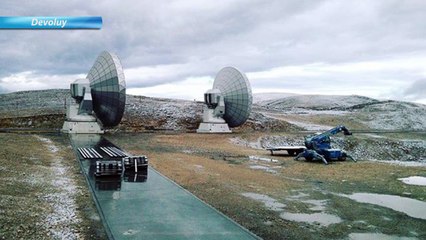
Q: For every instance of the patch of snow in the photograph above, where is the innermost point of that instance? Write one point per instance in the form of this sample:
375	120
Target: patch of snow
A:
49	144
323	102
303	111
64	215
414	180
391	115
241	142
260	167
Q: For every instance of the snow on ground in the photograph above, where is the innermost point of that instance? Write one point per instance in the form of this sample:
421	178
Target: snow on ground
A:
390	115
420	163
414	180
306	125
64	215
310	126
385	115
242	142
301	111
319	102
261	97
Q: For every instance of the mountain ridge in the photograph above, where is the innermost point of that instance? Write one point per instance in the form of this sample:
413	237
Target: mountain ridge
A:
291	112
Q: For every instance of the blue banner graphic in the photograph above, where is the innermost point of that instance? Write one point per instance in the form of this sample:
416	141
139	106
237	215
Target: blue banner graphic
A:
59	22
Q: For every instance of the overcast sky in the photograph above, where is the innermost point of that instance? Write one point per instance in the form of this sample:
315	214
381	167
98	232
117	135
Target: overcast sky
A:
375	48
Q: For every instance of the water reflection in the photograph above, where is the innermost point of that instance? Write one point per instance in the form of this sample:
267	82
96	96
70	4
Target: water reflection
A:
108	184
135	177
136	170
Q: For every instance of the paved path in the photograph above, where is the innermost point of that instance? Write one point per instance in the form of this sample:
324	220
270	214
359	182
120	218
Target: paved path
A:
155	209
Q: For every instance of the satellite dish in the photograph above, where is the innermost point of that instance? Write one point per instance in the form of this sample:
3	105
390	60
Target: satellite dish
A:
100	96
228	104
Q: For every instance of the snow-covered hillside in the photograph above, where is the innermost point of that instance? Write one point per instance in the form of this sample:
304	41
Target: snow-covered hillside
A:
313	111
316	102
272	111
262	97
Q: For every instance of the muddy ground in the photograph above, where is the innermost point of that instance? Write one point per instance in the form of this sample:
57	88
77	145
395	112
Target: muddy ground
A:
286	199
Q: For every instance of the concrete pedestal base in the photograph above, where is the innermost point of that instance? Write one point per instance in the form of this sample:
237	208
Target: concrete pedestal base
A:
213	128
81	127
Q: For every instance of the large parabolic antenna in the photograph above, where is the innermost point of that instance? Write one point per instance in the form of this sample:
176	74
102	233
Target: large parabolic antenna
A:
99	98
228	104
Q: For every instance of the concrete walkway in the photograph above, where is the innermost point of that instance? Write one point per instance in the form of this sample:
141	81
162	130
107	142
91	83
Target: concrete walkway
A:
157	208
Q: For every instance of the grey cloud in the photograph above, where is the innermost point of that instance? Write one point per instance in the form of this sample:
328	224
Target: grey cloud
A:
417	90
204	36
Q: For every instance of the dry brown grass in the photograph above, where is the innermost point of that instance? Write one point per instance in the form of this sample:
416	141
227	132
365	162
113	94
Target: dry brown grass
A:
198	162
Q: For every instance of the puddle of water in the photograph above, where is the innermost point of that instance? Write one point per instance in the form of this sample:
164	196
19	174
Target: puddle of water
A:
50	145
377	236
263	159
412	207
269	202
414	180
323	219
